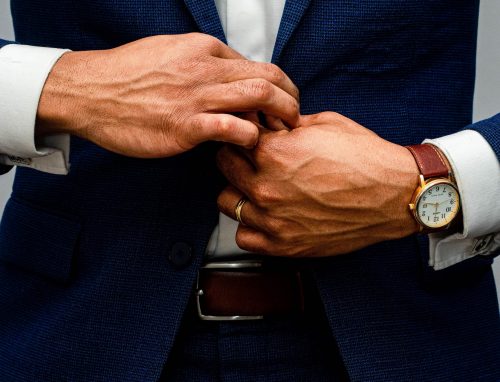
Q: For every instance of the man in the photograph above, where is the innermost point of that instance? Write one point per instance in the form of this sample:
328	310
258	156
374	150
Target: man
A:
99	266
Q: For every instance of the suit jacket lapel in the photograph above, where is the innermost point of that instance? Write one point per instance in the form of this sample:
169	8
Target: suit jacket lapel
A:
206	17
292	14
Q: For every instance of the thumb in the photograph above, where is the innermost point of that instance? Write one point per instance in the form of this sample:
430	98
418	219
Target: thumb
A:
224	128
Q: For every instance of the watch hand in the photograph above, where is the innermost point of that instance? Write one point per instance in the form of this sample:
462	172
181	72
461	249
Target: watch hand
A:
438	204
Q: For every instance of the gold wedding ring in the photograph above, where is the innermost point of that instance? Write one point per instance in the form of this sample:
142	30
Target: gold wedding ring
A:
238	208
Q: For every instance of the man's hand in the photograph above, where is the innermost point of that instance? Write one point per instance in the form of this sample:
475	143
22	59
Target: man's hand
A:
328	187
163	95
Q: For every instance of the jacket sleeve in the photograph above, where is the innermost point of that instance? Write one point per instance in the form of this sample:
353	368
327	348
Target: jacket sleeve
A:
5	42
490	130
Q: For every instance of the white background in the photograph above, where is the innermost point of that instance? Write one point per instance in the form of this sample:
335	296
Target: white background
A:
487	97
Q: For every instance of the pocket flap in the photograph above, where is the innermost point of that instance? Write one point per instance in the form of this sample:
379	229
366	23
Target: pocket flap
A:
38	241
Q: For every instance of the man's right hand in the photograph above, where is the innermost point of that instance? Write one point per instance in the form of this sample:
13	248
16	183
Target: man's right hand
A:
163	95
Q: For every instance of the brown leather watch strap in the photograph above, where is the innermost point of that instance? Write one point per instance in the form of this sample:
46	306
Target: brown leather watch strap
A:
429	161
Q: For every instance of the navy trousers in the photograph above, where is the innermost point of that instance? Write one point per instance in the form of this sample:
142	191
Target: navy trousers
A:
275	349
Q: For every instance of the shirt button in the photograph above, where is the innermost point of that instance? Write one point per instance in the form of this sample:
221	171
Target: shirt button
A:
180	255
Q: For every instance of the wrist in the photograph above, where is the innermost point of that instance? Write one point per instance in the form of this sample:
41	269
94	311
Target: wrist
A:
409	182
59	111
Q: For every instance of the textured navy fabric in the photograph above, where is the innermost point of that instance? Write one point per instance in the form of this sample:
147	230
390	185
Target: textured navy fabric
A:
489	129
3	43
108	303
51	256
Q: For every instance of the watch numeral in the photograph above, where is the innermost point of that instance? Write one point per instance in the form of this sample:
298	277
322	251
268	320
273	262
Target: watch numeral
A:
448	209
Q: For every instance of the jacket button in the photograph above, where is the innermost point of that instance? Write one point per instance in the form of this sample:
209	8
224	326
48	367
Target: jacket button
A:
180	255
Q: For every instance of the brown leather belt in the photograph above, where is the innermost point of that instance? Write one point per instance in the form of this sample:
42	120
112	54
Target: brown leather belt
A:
247	290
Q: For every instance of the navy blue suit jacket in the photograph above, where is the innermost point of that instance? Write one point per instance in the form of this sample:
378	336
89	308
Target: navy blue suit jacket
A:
96	267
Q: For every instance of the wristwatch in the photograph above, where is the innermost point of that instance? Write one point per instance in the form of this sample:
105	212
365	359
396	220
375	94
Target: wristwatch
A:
436	202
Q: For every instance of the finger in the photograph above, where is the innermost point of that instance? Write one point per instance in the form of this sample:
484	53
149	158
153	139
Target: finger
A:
254	241
254	155
236	70
237	170
248	154
254	95
275	124
223	128
327	117
307	120
227	202
250	116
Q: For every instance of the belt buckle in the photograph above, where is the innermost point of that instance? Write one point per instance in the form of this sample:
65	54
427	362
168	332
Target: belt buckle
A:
246	264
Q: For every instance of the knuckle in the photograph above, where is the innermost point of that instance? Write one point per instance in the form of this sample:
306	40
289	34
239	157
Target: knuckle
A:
294	107
221	126
333	115
261	89
263	195
275	73
241	240
195	34
220	202
260	152
210	43
330	116
282	235
205	38
275	226
324	117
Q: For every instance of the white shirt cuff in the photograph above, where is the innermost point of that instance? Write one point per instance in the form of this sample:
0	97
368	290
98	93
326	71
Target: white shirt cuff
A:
23	72
477	173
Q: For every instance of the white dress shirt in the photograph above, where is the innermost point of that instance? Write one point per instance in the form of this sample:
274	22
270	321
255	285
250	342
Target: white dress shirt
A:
251	27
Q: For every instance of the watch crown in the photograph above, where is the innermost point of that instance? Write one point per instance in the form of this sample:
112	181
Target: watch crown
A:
412	206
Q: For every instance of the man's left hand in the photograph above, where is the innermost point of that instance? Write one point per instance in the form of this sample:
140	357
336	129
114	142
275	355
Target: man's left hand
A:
326	188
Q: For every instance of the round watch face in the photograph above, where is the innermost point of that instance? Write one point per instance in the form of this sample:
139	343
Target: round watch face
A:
438	205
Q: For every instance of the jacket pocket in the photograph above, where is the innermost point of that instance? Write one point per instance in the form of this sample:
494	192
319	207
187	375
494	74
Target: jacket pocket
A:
38	241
